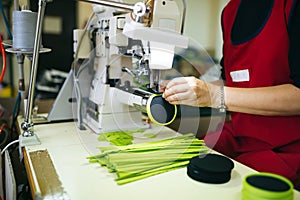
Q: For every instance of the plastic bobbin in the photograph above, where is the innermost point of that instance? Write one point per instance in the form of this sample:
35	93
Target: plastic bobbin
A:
160	111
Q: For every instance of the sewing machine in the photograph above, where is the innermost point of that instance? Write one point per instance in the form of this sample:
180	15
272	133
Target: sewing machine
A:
118	65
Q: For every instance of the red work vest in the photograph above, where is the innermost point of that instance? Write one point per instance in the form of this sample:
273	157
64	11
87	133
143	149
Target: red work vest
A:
259	62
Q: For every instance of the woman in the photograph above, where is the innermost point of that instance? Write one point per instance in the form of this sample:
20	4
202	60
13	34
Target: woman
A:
261	68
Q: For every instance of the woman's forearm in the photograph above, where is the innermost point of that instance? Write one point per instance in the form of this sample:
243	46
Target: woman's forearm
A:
282	100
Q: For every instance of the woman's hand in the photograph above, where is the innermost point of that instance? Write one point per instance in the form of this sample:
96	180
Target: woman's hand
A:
190	91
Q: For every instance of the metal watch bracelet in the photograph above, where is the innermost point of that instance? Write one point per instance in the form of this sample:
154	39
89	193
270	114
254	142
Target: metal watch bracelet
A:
222	107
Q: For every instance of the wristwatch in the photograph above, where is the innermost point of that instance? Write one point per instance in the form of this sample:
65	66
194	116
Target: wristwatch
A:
222	107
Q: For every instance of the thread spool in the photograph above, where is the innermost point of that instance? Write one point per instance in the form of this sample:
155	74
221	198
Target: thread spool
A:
24	28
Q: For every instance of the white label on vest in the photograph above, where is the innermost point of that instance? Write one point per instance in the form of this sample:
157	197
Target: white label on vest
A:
240	75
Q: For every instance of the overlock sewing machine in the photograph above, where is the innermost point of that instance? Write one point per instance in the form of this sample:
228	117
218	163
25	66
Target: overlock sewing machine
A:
118	60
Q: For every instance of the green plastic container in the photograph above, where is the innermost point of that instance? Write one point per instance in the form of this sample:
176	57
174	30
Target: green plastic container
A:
267	186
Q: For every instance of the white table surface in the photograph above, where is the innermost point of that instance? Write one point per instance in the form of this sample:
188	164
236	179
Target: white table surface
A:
68	148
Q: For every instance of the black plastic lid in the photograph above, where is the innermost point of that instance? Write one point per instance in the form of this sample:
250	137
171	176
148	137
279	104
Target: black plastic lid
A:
210	168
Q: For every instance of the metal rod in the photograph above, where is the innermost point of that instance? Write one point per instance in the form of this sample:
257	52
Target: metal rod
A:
183	16
28	117
16	5
20	59
113	4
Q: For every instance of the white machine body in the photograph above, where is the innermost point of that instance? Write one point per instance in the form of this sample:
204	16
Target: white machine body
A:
128	56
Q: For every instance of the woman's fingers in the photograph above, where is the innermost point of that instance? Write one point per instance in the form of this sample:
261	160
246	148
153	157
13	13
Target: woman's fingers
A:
181	91
188	91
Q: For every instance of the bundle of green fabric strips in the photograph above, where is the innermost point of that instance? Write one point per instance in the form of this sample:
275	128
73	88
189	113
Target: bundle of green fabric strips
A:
137	161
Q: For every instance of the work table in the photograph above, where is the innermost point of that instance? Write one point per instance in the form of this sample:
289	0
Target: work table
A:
68	148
